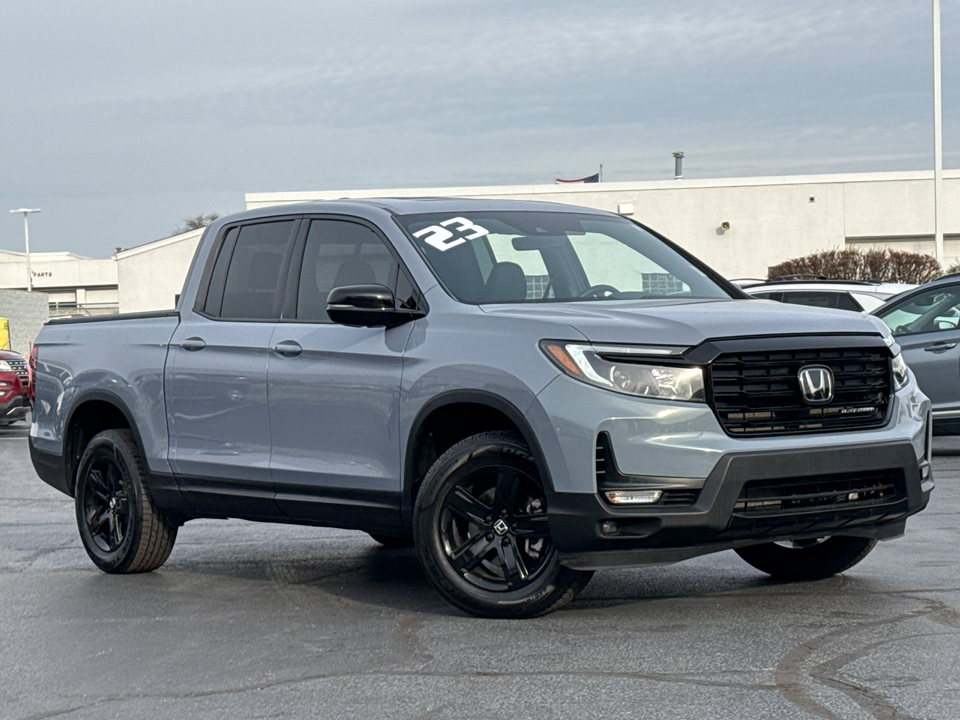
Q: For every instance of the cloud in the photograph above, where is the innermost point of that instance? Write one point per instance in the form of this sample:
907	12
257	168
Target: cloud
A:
186	100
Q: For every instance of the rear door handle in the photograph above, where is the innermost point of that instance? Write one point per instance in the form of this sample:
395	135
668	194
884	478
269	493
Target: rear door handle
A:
940	347
193	343
288	348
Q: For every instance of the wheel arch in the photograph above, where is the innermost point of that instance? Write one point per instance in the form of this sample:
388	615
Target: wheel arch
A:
449	418
91	413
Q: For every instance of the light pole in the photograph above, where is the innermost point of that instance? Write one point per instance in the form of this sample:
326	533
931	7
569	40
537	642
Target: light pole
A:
26	238
937	139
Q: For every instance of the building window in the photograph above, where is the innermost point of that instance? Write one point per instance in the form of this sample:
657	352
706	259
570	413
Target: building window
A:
661	283
537	285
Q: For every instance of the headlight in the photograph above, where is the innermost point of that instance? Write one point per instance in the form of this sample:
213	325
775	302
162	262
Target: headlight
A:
901	375
5	366
642	379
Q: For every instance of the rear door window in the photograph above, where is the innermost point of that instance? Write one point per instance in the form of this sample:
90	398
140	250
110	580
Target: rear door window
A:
247	278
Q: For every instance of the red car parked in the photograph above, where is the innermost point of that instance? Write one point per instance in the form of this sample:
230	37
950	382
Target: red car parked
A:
14	387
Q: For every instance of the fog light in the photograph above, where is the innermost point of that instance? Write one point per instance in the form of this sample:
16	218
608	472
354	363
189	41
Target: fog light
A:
633	497
609	527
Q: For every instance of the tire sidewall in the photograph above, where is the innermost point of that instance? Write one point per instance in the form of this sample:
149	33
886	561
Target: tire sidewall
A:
113	446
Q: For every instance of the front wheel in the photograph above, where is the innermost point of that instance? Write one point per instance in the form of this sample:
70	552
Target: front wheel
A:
121	530
482	535
812	559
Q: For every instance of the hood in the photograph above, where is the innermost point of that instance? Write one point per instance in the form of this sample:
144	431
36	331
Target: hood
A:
10	355
690	322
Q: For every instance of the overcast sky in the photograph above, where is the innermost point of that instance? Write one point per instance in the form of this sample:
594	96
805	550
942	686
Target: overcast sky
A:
120	118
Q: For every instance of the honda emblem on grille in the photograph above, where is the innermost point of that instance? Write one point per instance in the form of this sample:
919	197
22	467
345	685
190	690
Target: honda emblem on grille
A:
816	384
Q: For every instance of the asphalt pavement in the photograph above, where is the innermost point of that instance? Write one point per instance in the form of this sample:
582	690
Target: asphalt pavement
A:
250	620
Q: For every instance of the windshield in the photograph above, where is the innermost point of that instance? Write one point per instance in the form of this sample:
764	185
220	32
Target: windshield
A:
497	257
934	310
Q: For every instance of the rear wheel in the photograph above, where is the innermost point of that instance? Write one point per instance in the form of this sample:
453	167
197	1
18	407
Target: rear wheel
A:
121	530
482	535
812	559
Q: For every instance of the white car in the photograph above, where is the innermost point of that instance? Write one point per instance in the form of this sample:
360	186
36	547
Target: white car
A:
856	295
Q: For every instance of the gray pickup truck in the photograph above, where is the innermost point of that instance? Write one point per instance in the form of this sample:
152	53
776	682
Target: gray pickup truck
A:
525	392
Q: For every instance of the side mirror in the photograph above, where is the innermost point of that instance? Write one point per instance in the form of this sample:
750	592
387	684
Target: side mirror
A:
367	306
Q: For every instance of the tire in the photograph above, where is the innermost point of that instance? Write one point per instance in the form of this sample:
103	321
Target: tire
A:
808	559
121	530
393	541
482	535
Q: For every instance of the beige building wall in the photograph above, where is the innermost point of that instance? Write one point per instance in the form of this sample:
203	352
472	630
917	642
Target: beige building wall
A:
55	269
771	219
73	284
151	276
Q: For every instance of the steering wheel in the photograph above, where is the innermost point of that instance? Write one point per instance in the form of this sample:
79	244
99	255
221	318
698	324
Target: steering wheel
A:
599	291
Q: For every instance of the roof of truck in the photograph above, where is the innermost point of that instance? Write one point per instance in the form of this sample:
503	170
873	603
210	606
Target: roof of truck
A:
415	206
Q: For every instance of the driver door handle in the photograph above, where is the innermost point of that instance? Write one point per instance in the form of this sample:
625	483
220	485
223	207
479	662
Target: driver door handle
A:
288	348
940	347
193	343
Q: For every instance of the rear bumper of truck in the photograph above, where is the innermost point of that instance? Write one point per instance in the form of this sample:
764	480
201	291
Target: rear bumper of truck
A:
865	490
50	468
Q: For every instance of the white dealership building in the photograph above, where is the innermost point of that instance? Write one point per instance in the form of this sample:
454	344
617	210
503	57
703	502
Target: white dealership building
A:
142	278
740	226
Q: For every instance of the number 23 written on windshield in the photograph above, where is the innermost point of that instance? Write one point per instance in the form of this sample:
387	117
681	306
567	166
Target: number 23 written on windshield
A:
442	239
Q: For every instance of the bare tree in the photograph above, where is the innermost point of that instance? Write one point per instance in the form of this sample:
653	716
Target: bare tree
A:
193	223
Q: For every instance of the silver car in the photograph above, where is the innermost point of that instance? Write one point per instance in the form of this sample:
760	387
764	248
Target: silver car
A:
925	325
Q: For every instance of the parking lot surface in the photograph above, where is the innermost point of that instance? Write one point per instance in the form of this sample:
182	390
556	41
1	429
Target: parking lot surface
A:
248	620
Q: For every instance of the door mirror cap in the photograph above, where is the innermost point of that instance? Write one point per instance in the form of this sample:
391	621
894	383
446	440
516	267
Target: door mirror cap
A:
368	306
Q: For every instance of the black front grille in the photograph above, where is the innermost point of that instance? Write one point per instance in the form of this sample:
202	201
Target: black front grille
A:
830	502
758	393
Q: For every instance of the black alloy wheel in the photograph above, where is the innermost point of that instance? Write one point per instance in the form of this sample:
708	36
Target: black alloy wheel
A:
105	506
482	531
493	527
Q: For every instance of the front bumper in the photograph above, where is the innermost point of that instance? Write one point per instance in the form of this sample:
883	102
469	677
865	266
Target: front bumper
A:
16	408
591	534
